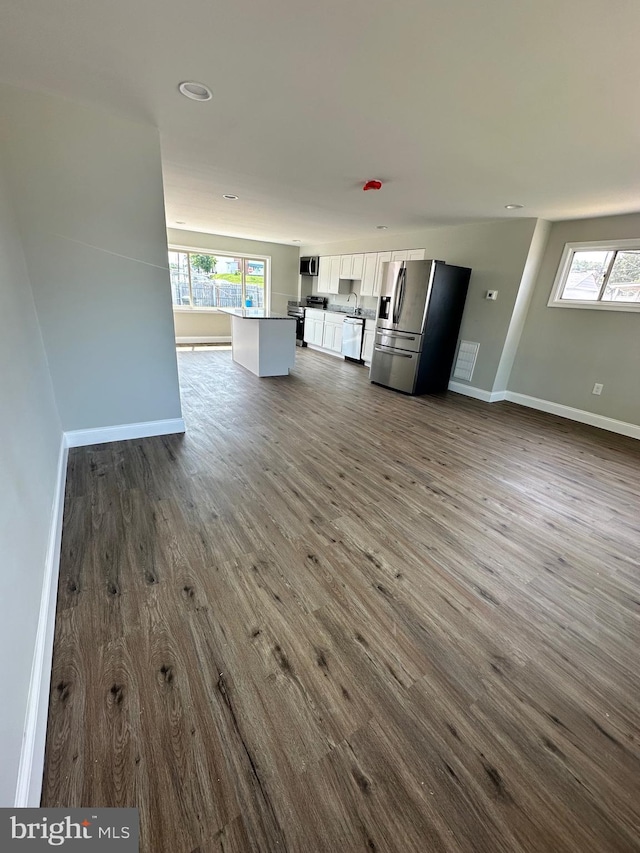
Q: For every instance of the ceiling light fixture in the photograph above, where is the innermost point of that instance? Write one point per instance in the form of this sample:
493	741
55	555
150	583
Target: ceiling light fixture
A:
513	206
230	197
382	227
195	91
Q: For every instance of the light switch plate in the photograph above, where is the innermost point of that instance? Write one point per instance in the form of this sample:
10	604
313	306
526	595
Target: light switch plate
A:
492	294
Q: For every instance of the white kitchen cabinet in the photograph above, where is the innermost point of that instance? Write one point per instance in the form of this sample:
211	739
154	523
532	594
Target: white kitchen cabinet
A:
313	330
383	257
370	265
357	267
366	268
408	255
334	274
351	267
323	275
346	262
368	341
329	274
332	334
323	329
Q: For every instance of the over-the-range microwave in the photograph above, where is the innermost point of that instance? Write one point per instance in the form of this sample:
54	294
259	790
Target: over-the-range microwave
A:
309	266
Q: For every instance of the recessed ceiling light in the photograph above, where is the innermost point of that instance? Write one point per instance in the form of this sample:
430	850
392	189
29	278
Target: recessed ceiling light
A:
513	206
382	227
180	222
195	91
230	197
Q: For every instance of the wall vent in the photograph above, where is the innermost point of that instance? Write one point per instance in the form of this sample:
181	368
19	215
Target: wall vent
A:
466	361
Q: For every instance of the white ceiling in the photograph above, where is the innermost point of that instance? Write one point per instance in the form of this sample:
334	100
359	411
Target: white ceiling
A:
459	106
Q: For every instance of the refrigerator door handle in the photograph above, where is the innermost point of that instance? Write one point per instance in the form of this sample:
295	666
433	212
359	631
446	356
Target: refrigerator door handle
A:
395	353
403	279
396	295
402	335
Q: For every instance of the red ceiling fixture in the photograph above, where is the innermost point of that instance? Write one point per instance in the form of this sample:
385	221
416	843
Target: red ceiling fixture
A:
372	185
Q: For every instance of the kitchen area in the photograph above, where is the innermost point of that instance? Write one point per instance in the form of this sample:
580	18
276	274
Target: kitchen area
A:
396	313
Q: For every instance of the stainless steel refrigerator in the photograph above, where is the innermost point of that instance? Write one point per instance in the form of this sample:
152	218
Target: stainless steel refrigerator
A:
419	314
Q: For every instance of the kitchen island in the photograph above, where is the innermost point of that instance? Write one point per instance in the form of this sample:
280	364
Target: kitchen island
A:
262	341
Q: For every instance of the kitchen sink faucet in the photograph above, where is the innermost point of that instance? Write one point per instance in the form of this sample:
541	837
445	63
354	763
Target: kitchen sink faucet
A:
353	293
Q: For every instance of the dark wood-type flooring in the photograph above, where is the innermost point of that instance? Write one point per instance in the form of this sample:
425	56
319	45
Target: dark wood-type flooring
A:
334	618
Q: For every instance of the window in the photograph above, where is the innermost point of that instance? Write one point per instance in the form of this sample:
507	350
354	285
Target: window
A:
201	280
599	275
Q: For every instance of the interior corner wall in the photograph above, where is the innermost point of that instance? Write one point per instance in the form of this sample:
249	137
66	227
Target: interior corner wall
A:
284	278
497	253
87	190
30	447
564	351
521	305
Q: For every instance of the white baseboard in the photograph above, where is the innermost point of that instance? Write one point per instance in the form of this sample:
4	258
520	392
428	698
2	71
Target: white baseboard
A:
601	421
204	339
476	393
325	351
29	785
123	432
581	415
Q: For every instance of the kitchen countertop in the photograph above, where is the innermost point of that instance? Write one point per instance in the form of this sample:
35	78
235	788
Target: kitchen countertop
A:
337	308
255	314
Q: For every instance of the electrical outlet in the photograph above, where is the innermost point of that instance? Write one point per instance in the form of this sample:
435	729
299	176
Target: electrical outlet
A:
597	388
491	294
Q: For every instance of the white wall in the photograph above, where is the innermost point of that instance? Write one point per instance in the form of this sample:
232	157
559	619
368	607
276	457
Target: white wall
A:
30	437
284	278
87	188
497	252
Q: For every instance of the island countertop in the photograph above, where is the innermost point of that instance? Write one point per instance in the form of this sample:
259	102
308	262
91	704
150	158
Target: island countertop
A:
255	314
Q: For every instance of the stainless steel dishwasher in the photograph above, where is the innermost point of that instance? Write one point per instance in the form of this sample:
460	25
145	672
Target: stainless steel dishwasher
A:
352	330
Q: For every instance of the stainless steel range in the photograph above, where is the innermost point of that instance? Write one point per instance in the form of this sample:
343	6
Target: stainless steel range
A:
297	312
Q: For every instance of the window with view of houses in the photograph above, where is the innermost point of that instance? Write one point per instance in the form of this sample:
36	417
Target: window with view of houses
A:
599	275
203	280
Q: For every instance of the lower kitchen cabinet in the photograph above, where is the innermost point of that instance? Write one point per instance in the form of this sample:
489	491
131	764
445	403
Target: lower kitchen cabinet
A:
313	330
323	329
368	341
332	337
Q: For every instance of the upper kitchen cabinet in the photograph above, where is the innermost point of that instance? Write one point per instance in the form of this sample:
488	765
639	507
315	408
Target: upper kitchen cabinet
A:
408	255
357	266
366	268
383	257
330	273
369	274
351	267
345	266
334	274
323	275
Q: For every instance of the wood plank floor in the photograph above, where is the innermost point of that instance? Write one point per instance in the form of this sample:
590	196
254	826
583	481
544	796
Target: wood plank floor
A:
334	618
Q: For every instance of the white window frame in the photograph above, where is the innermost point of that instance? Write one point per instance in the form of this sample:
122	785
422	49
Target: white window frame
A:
227	253
563	272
